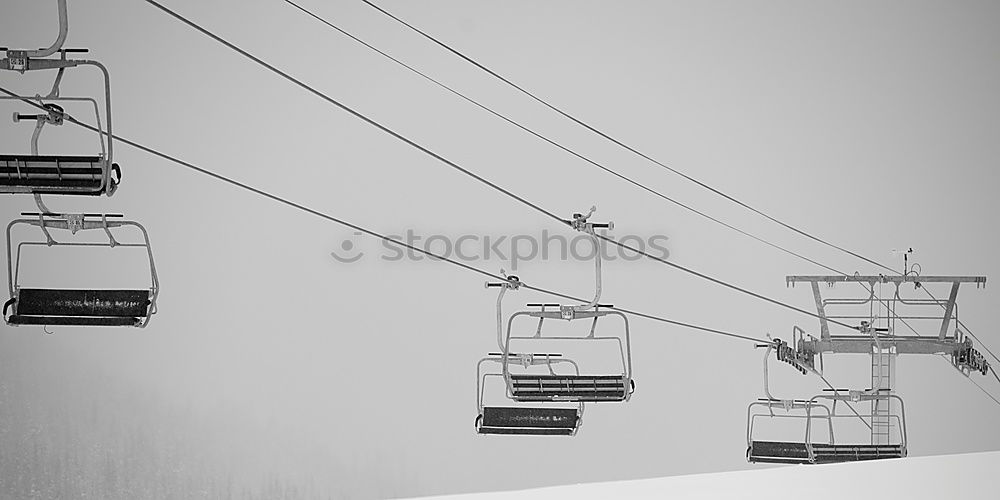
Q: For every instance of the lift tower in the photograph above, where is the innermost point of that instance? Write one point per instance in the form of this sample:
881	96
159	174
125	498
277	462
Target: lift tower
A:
883	318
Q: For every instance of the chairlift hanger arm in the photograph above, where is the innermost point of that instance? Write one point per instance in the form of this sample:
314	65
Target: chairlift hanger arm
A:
503	290
23	59
60	38
581	223
510	282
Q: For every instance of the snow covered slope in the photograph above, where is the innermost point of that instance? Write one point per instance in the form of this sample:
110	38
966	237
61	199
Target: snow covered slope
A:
975	475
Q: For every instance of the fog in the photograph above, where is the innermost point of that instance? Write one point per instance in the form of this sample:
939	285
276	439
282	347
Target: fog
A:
273	370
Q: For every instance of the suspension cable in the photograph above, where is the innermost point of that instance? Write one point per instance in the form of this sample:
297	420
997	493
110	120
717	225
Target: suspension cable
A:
635	151
553	142
563	147
454	165
317	213
620	143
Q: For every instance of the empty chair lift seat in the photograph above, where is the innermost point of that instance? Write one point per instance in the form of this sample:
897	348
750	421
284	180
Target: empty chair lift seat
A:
530	421
56	174
583	388
797	453
33	306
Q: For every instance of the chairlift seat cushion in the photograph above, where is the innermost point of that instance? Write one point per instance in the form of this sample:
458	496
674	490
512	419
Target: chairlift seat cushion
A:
18	319
52	174
584	388
88	306
529	421
797	453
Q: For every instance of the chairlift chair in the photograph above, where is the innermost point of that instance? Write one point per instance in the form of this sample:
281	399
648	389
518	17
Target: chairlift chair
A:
616	387
789	452
810	450
77	307
543	420
520	419
58	174
545	396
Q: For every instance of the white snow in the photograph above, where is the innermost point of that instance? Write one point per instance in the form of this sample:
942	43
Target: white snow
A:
973	475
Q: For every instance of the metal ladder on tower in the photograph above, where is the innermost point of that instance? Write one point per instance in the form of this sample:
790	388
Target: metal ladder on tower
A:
883	379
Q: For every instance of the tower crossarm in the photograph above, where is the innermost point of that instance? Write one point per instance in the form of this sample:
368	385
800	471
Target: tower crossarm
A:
909	278
948	305
857	344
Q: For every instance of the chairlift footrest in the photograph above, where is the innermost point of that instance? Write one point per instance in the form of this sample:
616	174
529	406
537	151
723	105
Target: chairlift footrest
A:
73	320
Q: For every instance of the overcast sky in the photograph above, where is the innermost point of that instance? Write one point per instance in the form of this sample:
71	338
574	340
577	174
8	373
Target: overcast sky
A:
874	125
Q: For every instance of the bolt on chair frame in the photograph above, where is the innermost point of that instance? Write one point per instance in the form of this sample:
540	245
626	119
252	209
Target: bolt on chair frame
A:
74	307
